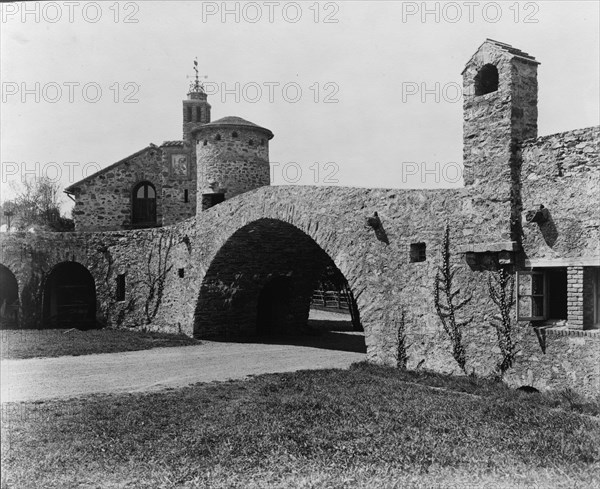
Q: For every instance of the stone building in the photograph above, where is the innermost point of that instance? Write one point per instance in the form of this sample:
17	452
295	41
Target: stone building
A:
522	239
158	185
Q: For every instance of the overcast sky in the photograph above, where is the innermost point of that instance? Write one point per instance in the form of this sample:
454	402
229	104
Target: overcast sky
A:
336	80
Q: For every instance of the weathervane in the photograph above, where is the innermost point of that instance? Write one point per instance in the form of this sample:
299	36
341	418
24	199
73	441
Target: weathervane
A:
196	86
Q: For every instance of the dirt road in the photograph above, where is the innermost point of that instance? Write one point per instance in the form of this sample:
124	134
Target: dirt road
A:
63	377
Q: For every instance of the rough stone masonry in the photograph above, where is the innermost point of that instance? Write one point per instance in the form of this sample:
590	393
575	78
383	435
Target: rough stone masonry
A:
528	207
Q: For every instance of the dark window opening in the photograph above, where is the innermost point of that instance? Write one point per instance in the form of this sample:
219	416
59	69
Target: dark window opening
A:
186	196
218	137
120	293
189	113
234	134
262	142
418	252
205	142
198	114
144	204
181	272
542	295
251	143
210	200
486	80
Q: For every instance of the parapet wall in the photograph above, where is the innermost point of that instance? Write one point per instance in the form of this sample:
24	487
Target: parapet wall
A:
562	173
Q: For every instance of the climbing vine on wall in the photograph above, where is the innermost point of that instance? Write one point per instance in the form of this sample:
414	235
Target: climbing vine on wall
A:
156	274
501	288
448	303
402	355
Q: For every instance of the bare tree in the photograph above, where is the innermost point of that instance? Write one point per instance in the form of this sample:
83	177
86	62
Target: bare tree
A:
37	203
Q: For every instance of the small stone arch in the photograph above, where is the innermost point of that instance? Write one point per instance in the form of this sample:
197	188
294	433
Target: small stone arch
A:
486	79
9	299
261	282
69	297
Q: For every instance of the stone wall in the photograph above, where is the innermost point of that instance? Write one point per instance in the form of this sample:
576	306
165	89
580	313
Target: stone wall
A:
558	359
175	182
104	199
493	125
210	270
232	165
562	173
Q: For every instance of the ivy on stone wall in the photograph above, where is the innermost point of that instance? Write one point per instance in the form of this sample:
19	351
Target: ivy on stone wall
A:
448	303
501	288
402	355
157	270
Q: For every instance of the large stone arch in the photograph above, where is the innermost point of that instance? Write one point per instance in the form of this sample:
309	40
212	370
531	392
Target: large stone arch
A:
9	298
260	281
69	297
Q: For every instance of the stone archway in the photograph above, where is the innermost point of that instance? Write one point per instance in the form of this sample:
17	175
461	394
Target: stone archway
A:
9	299
260	282
69	297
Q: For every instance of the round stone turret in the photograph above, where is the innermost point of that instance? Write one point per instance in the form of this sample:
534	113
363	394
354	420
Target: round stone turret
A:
232	158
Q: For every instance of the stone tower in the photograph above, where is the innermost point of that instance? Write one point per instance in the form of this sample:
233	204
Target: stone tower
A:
233	157
196	110
500	111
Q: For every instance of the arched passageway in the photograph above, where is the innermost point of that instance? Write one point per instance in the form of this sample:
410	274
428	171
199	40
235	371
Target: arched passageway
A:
9	299
261	282
69	297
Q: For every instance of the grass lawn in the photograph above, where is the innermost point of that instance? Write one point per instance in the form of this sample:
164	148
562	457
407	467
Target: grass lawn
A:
368	426
31	343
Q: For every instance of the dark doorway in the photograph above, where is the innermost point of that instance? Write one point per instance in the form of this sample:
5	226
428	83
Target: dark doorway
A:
9	299
274	309
144	205
69	297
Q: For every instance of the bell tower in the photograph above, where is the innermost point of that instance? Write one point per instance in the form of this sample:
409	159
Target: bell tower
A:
196	109
500	93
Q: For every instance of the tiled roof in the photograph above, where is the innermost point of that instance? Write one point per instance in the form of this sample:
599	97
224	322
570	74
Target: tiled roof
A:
169	144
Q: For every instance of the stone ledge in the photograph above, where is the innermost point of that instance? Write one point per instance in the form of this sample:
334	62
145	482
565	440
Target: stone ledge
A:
593	333
489	247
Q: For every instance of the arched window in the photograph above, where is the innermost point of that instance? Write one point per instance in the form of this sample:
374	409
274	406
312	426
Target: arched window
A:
218	137
251	142
234	134
144	205
486	80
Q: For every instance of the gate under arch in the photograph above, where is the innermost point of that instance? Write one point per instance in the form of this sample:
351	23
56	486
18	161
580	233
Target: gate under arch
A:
69	297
